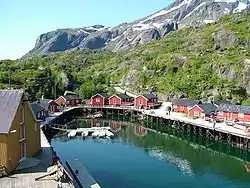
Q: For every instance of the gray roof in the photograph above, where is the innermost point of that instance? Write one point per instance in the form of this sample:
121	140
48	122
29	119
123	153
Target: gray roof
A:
219	102
186	102
36	108
150	96
208	108
44	103
105	95
72	97
234	108
123	96
9	102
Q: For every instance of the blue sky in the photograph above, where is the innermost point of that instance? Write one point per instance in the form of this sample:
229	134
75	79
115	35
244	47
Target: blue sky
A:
22	21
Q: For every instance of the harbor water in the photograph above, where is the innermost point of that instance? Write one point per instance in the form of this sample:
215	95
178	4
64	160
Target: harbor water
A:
151	156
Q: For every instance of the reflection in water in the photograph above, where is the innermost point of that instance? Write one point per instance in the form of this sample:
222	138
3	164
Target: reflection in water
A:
182	164
187	154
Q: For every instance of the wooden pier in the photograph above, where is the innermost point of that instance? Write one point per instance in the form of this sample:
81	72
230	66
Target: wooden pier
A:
82	178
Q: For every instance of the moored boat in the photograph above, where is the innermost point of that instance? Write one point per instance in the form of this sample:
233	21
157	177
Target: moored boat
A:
109	134
102	133
72	134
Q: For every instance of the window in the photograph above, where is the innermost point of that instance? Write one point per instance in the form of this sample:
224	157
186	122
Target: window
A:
97	100
35	126
67	102
196	113
77	101
240	115
175	106
38	115
22	132
140	102
182	108
220	113
23	147
21	115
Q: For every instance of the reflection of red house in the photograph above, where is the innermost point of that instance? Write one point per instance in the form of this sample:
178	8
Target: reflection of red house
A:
50	105
99	99
121	100
183	105
69	100
234	112
140	131
97	123
202	110
147	100
115	126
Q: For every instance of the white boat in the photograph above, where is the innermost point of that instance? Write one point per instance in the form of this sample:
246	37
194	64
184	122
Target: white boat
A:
85	134
95	133
72	134
102	133
109	134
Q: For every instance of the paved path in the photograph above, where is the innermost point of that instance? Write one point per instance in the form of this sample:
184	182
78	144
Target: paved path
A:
26	178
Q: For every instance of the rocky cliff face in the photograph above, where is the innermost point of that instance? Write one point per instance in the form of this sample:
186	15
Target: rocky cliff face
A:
179	14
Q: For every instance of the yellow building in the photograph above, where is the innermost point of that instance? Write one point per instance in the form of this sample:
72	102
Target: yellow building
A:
19	129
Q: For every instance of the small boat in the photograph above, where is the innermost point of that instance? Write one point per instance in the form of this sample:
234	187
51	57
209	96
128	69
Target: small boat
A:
109	134
85	134
102	133
72	134
97	115
95	133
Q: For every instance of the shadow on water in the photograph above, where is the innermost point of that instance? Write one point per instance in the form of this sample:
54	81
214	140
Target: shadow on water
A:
188	153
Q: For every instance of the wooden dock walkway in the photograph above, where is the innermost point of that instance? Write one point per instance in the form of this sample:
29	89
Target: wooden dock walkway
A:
26	178
82	177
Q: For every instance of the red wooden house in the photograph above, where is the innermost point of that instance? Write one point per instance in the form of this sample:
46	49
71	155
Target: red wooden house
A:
121	100
234	112
99	99
183	105
147	100
140	131
202	110
69	100
50	105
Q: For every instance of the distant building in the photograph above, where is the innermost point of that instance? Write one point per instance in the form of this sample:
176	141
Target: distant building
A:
99	99
39	111
234	112
147	100
50	105
183	105
202	110
19	129
121	100
220	102
69	100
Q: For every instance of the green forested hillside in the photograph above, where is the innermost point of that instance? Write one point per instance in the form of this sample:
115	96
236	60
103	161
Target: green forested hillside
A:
208	62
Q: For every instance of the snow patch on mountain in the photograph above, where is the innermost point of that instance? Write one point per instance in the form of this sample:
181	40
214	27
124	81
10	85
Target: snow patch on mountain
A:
225	1
195	10
242	6
208	21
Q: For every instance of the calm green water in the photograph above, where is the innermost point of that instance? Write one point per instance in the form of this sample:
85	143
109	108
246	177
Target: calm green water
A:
142	158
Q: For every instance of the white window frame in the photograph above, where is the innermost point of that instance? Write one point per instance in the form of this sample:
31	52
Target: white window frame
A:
38	115
36	126
67	102
97	100
21	115
220	113
241	115
196	114
22	135
175	106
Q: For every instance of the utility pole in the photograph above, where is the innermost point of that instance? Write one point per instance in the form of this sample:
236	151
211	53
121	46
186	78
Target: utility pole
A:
55	89
9	80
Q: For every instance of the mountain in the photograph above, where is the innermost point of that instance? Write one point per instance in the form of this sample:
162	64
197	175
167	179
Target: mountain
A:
209	62
179	14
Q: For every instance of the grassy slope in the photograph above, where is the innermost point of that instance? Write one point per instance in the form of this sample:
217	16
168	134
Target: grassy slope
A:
183	62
